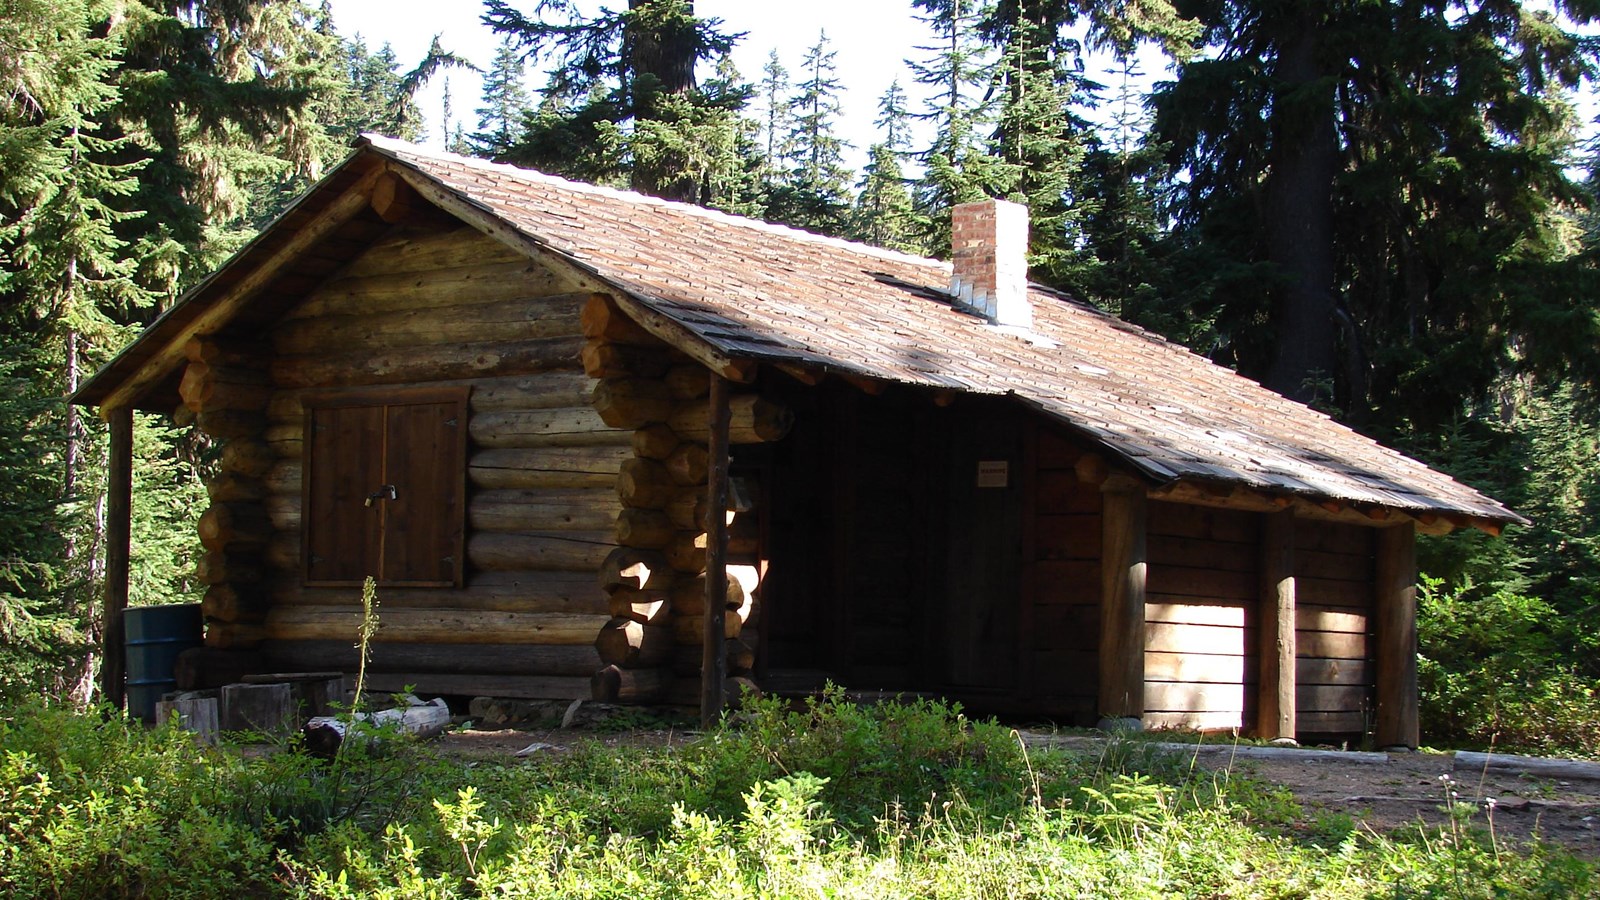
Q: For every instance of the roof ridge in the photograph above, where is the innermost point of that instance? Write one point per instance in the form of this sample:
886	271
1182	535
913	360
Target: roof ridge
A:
390	146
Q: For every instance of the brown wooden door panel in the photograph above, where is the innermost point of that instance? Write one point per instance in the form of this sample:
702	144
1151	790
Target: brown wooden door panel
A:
345	449
422	527
405	450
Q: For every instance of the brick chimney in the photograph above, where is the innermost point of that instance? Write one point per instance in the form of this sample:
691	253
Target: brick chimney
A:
989	248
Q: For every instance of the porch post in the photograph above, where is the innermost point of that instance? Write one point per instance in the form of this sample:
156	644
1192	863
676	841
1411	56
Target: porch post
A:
1395	615
119	526
1275	719
714	655
1122	576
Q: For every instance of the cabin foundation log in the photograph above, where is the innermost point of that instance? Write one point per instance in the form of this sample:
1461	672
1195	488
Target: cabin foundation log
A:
1395	628
1122	611
1276	718
119	544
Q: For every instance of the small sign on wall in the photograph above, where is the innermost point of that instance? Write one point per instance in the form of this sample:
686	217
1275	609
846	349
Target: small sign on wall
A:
994	473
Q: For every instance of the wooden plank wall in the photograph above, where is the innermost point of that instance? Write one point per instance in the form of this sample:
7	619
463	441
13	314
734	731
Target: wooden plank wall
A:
425	306
1201	665
1334	597
1064	636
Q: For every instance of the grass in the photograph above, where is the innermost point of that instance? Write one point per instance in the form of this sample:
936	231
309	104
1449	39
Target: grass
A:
836	800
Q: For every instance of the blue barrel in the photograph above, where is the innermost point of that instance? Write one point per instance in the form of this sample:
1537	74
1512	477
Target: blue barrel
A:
155	637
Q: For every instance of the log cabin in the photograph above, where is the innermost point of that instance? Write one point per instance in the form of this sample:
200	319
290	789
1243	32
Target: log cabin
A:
594	444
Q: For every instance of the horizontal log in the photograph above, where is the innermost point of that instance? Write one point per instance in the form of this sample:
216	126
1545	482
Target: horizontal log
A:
512	687
1332	671
283	511
686	552
648	529
1322	618
550	389
427	248
1331	722
631	402
1193	721
517	319
607	360
440	659
206	387
283	551
234	603
436	362
577	426
284	477
689	464
1332	698
444	287
687	508
752	419
572	551
655	441
645	484
230	424
689	597
1206	523
617	685
572	593
1168	637
555	509
547	467
199	668
1068	537
223	567
434	626
225	352
246	458
605	322
735	690
233	635
1202	582
1196	613
234	525
632	645
688	381
286	440
1168	550
690	630
644	607
1197	668
229	487
686	659
1166	696
636	569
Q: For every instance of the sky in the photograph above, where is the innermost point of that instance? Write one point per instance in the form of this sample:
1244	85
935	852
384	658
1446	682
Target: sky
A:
872	40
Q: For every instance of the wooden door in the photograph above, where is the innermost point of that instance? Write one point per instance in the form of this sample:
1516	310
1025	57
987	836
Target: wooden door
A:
982	591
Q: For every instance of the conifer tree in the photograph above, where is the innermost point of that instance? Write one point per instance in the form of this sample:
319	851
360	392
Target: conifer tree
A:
884	214
1385	187
957	167
505	102
777	120
616	75
815	195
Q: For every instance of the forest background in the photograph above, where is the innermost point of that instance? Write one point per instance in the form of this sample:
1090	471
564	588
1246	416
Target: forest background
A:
1383	208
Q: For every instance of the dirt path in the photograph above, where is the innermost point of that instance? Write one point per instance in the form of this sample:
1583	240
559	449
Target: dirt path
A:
1381	791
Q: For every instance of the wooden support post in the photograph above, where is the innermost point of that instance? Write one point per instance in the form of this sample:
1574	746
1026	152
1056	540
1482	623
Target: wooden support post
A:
1122	602
1395	617
1275	720
714	659
119	528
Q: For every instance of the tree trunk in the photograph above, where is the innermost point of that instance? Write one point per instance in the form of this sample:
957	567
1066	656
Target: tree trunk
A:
1299	209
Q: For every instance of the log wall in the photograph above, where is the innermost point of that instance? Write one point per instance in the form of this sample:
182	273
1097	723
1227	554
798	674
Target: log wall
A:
1333	626
423	306
655	578
1201	639
1063	641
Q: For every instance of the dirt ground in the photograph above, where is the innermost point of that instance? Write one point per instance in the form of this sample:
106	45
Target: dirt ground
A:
1379	791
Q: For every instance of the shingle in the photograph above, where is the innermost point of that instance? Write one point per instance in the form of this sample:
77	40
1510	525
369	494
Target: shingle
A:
774	293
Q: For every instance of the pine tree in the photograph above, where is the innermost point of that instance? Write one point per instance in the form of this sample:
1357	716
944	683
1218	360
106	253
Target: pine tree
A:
777	120
1384	187
814	193
615	75
505	102
884	214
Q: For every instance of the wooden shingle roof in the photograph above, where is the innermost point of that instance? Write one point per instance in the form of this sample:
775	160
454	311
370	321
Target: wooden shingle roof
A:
754	291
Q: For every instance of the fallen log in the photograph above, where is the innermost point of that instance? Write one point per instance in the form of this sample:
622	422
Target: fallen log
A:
324	735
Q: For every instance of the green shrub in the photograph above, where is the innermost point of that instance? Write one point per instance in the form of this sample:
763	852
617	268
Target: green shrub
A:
1491	673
